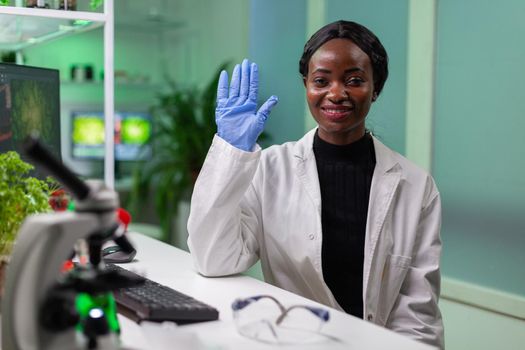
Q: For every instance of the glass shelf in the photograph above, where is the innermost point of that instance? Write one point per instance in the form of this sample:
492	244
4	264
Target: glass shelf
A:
23	27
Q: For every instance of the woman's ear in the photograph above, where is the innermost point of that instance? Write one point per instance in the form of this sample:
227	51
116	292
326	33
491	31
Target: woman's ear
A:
304	81
374	96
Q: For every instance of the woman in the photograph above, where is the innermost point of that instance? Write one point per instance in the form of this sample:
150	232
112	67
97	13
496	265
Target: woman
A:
336	217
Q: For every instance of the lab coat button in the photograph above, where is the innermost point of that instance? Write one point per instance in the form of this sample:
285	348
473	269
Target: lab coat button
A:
311	236
370	317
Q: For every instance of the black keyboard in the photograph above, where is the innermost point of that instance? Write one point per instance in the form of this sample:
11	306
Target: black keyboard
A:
152	301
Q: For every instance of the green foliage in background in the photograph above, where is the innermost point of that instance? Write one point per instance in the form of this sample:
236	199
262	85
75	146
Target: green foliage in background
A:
183	128
20	195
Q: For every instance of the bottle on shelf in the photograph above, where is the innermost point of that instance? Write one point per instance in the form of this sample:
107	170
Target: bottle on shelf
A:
70	5
37	3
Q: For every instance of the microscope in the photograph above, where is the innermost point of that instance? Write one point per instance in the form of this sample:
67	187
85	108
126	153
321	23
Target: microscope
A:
44	307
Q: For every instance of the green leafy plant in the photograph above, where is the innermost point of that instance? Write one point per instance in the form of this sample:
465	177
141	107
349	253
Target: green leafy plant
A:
183	128
20	195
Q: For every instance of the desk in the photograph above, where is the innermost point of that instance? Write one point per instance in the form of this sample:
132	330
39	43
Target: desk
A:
174	267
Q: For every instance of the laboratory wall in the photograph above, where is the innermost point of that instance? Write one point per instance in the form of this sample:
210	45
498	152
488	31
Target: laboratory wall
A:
277	36
478	165
478	144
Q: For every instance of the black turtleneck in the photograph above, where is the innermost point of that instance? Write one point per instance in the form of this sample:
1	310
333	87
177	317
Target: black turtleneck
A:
345	175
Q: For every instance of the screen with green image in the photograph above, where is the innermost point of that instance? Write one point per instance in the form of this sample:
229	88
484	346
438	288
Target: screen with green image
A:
134	129
132	134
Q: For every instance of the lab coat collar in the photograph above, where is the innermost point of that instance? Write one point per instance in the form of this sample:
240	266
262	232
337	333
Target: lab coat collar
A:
307	167
385	159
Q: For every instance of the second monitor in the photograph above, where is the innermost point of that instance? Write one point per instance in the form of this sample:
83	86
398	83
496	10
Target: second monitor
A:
132	134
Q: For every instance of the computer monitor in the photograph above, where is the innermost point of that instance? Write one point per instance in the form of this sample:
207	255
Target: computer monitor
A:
29	102
132	134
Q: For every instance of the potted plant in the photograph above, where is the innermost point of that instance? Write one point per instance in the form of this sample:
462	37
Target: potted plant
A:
20	195
183	128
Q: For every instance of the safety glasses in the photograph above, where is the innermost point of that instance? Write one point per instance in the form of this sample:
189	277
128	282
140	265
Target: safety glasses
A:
265	319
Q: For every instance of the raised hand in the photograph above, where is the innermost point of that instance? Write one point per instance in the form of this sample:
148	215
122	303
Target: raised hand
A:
238	120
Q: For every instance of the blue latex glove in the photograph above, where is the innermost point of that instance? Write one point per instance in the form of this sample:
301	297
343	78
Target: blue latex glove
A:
238	121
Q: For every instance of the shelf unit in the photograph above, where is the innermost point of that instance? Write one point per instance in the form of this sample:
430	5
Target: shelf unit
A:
18	29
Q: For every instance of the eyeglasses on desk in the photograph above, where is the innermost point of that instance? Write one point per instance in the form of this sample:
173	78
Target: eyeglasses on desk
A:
265	319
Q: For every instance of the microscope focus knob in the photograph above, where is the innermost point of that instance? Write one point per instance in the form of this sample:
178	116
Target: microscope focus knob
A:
97	332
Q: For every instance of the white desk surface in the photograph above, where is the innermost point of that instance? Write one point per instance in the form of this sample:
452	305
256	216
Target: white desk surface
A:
173	267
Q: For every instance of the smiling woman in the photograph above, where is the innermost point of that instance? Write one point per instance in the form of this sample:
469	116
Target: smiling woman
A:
337	216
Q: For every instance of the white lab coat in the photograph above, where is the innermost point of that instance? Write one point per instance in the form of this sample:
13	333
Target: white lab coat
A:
267	205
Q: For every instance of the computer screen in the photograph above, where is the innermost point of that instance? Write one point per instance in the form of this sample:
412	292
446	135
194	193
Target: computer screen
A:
29	102
132	133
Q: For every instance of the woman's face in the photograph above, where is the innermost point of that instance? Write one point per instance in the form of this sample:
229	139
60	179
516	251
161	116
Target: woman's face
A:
339	90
